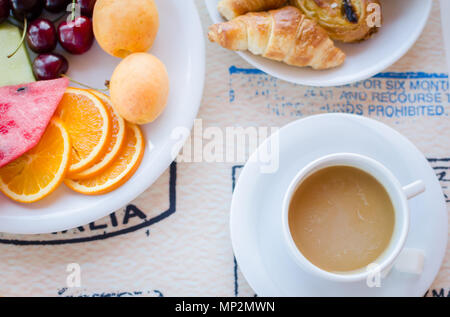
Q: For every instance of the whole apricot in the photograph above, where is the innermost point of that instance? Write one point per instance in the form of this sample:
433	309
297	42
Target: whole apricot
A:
139	88
123	27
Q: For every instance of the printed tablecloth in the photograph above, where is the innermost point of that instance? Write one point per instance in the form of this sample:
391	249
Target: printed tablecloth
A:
174	239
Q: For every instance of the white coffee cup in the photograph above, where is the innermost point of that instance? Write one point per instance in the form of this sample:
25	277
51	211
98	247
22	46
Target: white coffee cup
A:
399	196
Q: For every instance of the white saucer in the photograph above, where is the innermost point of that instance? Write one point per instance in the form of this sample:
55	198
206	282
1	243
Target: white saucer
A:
256	208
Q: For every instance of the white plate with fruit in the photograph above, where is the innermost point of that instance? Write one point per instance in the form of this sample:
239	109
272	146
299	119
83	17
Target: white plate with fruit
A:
69	156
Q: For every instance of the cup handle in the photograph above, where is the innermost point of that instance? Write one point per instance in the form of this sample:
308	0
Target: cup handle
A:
414	189
410	261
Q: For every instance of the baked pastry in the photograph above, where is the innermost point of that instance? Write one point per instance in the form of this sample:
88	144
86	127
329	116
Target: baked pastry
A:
284	35
233	8
344	20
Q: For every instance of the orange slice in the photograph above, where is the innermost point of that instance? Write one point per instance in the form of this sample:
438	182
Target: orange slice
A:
41	170
115	142
88	124
119	171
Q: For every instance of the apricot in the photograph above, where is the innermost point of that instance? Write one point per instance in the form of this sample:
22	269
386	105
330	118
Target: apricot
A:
123	27
139	88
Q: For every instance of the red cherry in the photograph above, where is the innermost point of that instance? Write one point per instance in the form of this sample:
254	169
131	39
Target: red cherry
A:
41	36
87	7
56	6
76	36
4	10
50	66
29	9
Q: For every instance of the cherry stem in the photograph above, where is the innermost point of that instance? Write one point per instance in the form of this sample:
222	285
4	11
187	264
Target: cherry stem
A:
81	84
24	32
73	10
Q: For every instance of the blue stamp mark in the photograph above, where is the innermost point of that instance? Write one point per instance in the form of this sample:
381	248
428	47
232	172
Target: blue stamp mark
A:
235	169
153	293
387	94
114	228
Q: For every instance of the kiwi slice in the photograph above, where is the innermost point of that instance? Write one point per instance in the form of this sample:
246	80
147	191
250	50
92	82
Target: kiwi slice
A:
17	69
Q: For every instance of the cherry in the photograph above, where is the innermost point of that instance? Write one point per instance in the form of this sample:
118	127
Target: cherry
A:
87	7
56	6
29	9
41	36
76	36
49	66
4	10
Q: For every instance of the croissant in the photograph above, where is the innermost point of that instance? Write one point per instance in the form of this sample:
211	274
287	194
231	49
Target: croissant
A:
233	8
343	20
283	35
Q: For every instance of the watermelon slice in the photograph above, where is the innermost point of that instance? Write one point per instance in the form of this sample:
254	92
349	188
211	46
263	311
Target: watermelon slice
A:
25	111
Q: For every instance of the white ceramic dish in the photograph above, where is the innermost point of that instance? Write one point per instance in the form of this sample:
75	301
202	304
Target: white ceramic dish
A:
256	227
403	22
180	31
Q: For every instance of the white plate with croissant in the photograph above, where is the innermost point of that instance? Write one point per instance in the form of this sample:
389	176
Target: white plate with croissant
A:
318	42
